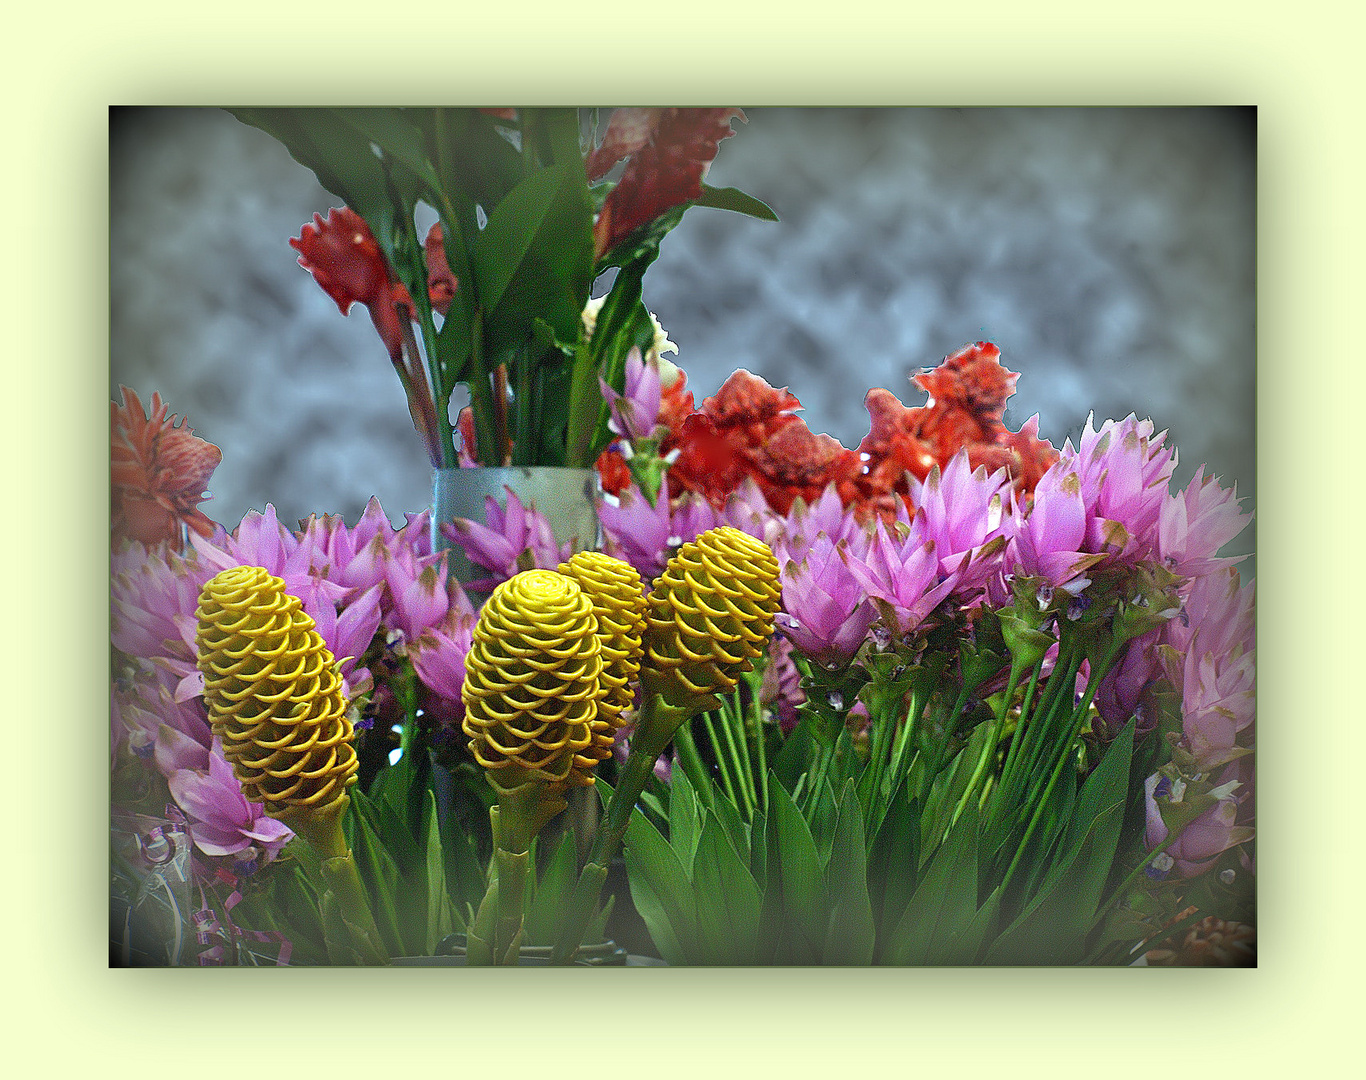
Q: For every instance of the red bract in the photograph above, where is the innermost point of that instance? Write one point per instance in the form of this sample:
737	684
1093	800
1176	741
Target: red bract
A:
968	392
670	151
158	473
345	260
750	429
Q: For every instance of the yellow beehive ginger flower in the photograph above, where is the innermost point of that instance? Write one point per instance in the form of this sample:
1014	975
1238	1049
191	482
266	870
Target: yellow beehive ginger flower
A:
532	683
618	597
709	615
274	696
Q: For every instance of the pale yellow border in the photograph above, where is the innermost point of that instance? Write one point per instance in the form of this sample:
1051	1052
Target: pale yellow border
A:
64	1010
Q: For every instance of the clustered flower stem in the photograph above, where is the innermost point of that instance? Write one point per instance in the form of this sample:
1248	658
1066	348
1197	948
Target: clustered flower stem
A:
656	724
349	924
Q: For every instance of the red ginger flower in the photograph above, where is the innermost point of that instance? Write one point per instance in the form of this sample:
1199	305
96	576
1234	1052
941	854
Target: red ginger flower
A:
345	260
968	392
158	472
670	152
751	429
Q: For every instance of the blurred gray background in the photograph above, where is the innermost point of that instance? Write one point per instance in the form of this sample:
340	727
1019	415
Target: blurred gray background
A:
1110	253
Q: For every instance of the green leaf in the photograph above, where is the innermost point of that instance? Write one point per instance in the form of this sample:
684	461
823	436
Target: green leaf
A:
1053	925
733	199
796	868
397	136
477	165
380	875
552	893
662	892
894	863
534	260
340	157
795	755
440	917
945	903
728	900
850	934
684	820
728	816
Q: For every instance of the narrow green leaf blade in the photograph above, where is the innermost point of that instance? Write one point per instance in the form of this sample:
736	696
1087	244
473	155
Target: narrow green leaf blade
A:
850	933
733	199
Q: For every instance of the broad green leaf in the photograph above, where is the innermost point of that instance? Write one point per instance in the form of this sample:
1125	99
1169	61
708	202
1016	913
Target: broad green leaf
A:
728	900
944	903
728	817
397	136
796	868
476	164
894	863
381	877
684	822
533	258
1052	927
552	893
850	934
758	848
795	756
662	892
440	918
341	159
733	199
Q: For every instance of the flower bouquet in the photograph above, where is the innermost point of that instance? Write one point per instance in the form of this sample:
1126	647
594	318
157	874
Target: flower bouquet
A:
532	206
951	697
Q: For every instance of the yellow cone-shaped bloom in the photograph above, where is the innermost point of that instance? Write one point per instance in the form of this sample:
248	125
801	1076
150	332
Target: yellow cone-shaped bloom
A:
532	681
710	614
274	696
615	590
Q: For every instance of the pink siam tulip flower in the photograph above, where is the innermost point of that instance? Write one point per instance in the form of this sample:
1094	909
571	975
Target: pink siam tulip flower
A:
826	613
1124	472
746	509
646	535
415	590
438	657
348	556
1195	523
963	512
510	534
827	515
1213	661
635	414
903	576
149	595
222	821
781	689
1122	690
1212	833
1048	542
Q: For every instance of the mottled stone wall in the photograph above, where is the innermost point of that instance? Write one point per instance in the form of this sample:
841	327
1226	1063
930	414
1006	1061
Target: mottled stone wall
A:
1108	252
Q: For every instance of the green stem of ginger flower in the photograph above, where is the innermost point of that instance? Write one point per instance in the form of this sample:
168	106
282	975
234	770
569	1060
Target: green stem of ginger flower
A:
941	748
691	763
758	716
1012	755
481	396
722	769
743	750
323	830
1063	753
988	754
656	724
